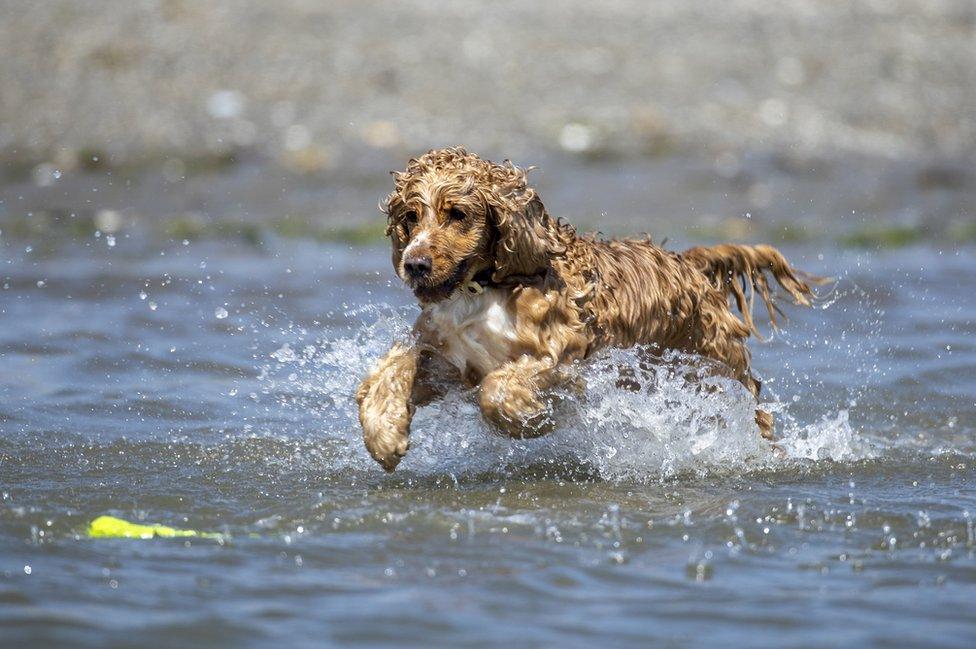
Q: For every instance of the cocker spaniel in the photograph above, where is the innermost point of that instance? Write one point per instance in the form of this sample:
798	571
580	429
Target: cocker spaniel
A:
510	297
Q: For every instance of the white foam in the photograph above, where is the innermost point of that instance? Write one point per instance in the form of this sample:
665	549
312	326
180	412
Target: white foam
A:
679	419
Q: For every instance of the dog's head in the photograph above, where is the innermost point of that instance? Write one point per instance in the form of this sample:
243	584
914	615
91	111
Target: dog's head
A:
453	215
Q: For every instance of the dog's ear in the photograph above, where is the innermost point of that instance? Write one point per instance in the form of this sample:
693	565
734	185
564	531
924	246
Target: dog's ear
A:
524	238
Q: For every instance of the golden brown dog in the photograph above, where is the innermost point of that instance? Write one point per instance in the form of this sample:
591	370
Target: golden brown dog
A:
510	297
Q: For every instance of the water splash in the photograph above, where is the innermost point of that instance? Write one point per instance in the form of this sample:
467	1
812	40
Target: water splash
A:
674	416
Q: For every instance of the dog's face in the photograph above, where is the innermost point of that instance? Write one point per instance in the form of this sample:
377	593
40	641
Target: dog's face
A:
453	215
442	237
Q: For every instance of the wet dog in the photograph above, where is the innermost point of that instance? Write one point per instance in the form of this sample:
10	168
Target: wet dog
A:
510	297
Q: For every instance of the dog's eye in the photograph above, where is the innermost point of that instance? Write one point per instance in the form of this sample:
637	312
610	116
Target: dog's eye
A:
410	216
456	214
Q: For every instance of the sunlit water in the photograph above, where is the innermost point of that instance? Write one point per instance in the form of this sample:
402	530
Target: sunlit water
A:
208	386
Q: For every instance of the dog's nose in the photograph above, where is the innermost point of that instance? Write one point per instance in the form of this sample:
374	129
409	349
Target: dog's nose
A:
417	267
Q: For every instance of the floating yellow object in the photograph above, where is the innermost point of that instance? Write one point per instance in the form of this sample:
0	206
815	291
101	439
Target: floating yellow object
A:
110	527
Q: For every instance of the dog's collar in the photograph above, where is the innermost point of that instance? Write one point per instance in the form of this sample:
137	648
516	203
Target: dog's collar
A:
478	283
472	288
483	280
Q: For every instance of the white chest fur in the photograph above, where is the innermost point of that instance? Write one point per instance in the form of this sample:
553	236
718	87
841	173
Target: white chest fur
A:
475	331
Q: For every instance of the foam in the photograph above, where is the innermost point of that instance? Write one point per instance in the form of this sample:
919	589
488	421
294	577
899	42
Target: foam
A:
678	419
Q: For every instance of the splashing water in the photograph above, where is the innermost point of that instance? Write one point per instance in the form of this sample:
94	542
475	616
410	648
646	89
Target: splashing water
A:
674	417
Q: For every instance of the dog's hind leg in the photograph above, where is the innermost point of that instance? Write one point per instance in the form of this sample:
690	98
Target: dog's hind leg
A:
764	419
766	423
725	343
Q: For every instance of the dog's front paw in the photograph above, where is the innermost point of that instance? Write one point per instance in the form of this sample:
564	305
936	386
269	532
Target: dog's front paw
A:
387	441
384	406
386	429
515	409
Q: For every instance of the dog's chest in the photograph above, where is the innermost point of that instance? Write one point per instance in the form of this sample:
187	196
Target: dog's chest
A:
475	332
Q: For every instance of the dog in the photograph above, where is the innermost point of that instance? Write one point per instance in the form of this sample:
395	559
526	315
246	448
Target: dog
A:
510	297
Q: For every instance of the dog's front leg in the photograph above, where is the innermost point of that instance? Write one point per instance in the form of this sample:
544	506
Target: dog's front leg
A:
385	407
513	397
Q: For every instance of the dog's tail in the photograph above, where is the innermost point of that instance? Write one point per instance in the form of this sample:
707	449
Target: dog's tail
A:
739	270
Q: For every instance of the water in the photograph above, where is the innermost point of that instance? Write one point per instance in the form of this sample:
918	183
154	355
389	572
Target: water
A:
208	385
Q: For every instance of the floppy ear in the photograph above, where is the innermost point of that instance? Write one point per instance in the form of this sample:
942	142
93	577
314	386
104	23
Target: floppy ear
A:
523	246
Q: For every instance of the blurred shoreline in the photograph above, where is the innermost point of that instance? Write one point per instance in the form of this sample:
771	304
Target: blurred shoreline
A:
795	120
850	201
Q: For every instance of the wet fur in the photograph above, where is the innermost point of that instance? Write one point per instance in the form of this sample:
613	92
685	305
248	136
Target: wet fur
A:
554	297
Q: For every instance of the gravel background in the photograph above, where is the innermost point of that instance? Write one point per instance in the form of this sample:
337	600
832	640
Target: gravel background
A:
859	97
135	77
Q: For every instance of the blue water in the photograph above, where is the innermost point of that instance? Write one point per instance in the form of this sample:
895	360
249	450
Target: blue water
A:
647	518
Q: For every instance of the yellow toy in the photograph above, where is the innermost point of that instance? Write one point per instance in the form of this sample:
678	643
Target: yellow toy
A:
109	527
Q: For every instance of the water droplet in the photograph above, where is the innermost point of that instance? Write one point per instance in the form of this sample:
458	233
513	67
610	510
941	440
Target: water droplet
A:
142	295
110	241
220	313
152	306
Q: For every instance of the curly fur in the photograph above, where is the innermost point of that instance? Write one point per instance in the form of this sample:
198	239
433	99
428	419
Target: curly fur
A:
551	296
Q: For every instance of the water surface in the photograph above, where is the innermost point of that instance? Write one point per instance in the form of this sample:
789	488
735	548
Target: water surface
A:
208	385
